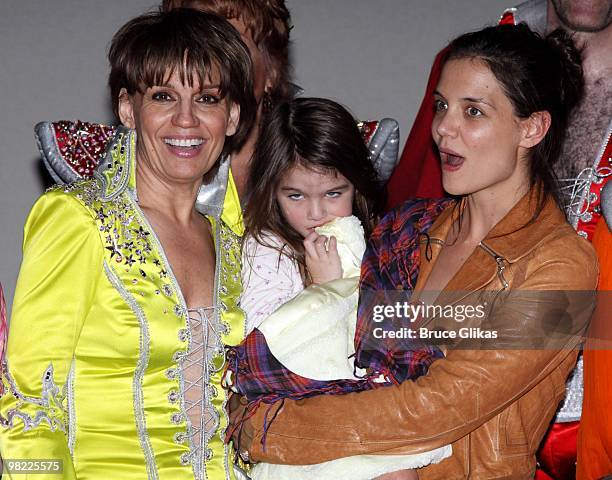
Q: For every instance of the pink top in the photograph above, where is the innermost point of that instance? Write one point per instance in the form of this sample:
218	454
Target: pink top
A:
269	279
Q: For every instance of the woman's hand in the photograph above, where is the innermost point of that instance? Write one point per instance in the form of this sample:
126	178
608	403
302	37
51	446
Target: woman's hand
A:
239	425
322	259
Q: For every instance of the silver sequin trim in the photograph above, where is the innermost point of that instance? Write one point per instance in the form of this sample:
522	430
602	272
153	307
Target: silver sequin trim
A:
51	399
123	139
218	283
71	409
176	372
143	361
577	191
571	408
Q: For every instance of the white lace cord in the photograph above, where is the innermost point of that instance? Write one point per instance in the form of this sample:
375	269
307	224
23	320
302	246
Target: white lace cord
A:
576	206
201	356
579	197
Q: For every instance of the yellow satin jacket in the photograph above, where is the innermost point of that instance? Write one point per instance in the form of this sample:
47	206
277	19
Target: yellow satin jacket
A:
99	331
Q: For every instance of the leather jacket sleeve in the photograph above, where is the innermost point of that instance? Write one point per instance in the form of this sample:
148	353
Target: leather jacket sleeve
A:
460	392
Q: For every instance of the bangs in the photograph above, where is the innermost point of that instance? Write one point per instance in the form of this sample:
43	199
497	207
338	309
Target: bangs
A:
193	65
147	54
199	48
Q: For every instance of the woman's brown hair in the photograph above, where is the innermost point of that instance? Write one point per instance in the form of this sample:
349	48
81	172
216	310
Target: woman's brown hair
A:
537	74
197	45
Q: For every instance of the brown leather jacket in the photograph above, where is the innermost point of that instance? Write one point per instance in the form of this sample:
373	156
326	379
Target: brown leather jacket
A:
493	406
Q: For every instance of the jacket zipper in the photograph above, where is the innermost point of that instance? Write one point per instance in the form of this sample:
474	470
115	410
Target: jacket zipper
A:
501	263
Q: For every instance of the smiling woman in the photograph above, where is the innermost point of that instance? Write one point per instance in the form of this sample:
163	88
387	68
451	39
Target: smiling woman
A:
181	128
127	291
264	27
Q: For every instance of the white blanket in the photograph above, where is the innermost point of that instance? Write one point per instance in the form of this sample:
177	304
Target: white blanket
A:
313	336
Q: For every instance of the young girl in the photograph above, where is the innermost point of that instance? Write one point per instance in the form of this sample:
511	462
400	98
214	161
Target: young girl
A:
313	188
310	167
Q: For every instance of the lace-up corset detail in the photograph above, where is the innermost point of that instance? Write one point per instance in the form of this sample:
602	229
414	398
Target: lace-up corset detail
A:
204	358
576	192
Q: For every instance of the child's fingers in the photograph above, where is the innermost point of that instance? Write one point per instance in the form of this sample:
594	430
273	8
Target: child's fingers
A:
309	250
332	245
309	244
311	237
319	244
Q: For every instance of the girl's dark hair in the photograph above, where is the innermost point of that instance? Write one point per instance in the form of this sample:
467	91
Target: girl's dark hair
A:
317	134
537	74
194	44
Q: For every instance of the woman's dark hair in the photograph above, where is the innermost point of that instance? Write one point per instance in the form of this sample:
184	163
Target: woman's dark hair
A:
537	74
149	48
317	134
268	22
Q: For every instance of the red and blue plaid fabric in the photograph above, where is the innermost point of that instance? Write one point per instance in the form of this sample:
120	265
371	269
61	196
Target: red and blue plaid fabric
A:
389	272
259	376
390	262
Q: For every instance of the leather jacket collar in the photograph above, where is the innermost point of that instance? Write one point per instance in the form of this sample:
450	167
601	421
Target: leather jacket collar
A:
510	240
513	237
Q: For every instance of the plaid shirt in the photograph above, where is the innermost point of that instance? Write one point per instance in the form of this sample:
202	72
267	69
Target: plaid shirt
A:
391	265
390	262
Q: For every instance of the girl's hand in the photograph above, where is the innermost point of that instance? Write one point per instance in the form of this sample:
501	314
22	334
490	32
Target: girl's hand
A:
322	263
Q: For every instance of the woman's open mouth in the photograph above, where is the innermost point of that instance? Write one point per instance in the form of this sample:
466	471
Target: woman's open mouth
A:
451	161
184	147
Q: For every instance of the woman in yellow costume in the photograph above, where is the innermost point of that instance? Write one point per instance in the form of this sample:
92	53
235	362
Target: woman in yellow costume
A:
127	291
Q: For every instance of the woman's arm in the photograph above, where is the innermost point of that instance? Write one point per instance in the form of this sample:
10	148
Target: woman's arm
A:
62	258
459	394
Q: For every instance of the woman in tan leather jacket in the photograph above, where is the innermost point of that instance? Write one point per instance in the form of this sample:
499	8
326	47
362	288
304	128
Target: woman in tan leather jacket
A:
501	109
